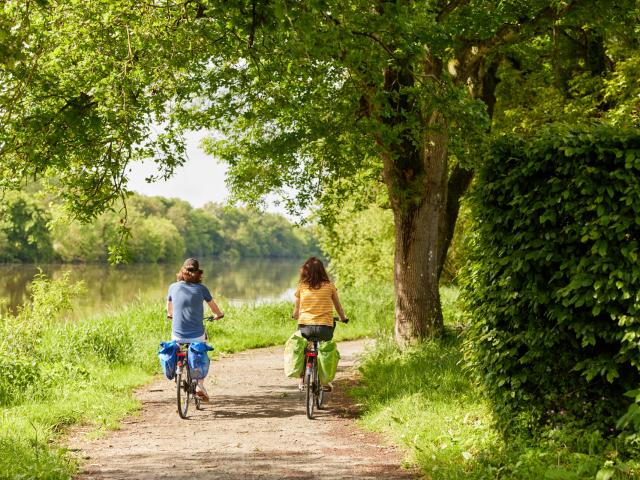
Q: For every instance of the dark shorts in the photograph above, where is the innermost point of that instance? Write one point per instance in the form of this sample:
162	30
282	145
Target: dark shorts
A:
323	333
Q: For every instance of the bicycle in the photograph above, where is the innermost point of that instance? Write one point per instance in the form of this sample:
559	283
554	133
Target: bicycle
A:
185	385
314	391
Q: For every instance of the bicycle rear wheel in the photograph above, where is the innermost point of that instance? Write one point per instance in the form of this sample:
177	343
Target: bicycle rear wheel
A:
182	392
309	390
320	398
198	402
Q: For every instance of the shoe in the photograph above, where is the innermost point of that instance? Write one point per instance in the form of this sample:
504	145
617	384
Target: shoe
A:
202	393
327	388
301	387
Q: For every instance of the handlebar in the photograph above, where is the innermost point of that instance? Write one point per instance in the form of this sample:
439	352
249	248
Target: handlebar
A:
210	318
335	319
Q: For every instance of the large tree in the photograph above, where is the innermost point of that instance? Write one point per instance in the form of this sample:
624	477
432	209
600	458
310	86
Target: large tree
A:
400	90
316	100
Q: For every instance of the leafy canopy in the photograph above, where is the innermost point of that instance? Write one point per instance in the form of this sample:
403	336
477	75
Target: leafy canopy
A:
297	88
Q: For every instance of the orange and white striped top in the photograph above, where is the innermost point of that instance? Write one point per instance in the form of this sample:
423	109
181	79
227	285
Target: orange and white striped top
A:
316	305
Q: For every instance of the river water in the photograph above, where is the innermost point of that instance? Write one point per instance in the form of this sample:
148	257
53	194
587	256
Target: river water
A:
110	287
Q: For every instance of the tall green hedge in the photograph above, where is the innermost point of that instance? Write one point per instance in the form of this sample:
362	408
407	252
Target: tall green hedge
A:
553	285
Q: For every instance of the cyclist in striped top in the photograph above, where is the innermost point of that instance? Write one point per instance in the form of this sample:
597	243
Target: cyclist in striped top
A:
316	297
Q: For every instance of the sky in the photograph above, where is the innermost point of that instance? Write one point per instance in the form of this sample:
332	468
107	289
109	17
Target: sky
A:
199	180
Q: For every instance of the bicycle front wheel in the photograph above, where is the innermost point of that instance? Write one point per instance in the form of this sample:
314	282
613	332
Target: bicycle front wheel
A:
310	389
182	392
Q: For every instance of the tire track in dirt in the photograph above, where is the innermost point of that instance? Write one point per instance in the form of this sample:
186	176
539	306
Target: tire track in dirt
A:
254	427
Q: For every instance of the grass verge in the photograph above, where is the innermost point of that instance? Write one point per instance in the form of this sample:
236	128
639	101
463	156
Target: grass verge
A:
58	374
424	400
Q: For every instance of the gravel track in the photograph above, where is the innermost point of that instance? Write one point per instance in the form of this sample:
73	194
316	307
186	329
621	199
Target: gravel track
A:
254	427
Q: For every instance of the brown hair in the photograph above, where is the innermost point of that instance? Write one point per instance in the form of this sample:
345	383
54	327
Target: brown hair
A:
313	273
190	271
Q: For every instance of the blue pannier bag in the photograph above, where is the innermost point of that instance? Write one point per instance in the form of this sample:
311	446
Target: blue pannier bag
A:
199	359
168	354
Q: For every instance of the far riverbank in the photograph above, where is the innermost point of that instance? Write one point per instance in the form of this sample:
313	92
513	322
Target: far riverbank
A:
110	287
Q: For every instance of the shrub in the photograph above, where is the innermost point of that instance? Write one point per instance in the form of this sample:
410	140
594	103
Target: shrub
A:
50	299
22	336
18	374
554	279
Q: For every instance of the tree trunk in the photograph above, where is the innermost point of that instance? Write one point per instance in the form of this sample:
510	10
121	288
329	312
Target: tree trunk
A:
420	224
415	173
458	183
418	312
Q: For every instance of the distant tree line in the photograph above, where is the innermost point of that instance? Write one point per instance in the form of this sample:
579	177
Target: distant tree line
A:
33	229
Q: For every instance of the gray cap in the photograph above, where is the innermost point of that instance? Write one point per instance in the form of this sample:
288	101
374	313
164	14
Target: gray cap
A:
191	265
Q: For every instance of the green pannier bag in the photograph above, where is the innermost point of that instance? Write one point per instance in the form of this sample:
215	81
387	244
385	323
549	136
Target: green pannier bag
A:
294	355
328	357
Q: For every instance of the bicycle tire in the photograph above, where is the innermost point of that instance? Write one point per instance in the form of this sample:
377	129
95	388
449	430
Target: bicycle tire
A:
320	398
318	393
182	393
198	402
194	389
309	391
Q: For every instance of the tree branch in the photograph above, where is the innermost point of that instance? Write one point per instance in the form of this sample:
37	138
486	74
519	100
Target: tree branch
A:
509	32
372	36
253	24
474	51
450	7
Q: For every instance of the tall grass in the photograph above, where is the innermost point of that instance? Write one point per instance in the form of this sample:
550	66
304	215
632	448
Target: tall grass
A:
249	326
423	399
58	373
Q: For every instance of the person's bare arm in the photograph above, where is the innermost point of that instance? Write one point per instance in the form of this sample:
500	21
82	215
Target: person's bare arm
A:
215	308
169	309
338	306
296	309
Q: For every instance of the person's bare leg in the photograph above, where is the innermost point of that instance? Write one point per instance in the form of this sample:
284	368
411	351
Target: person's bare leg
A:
201	391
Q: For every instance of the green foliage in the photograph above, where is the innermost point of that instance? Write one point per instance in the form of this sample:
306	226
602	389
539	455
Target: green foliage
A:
457	252
157	230
154	239
579	71
23	229
554	279
50	298
86	88
21	335
424	400
31	458
311	98
299	88
20	374
253	234
110	342
360	246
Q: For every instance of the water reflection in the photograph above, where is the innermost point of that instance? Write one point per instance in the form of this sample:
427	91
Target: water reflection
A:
110	287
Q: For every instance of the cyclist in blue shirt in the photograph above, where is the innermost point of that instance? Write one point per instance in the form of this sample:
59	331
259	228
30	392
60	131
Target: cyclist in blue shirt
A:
186	309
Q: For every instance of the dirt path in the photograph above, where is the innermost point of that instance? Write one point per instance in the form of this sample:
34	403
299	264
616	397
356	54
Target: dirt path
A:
254	427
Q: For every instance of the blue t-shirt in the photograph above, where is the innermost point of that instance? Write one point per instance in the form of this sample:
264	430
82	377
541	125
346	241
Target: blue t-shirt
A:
188	310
